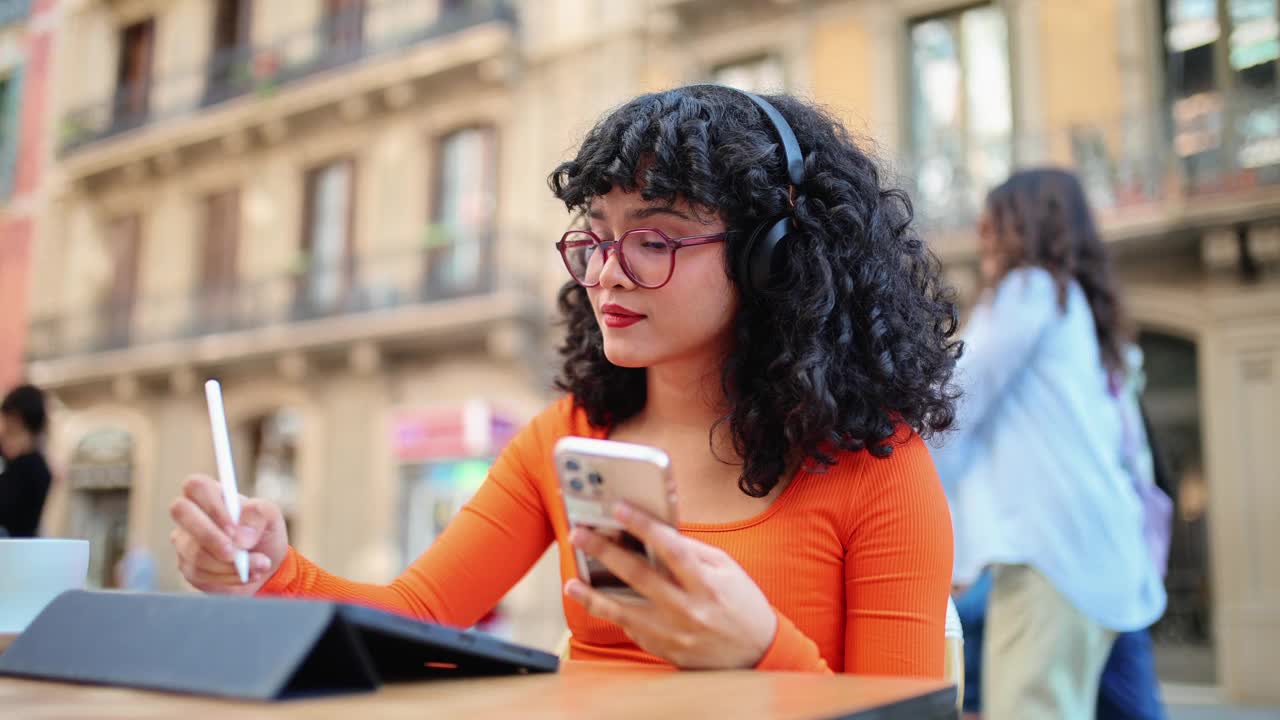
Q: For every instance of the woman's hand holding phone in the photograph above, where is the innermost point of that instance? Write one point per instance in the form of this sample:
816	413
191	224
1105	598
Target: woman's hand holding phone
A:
708	615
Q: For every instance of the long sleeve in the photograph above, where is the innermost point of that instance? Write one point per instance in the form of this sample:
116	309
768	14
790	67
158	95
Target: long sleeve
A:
898	569
999	342
481	554
897	575
792	650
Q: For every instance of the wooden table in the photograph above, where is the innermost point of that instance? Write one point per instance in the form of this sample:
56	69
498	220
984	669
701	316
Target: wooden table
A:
580	690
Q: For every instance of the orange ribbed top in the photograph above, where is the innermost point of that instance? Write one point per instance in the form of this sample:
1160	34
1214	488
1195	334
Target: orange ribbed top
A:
856	560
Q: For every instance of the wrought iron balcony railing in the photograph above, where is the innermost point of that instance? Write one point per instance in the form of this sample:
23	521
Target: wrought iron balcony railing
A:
371	29
1209	147
360	285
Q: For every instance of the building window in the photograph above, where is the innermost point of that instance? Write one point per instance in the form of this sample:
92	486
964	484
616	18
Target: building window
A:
961	110
274	441
1223	76
133	74
101	477
124	246
231	52
344	25
762	74
461	237
328	239
217	272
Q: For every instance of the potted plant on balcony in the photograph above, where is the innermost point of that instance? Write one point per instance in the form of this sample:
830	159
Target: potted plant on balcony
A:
266	69
73	131
436	235
437	238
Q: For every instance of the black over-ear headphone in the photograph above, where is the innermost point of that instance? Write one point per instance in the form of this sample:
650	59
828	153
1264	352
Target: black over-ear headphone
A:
755	262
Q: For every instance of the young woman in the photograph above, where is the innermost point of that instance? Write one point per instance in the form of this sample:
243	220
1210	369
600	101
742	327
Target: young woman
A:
1044	469
791	393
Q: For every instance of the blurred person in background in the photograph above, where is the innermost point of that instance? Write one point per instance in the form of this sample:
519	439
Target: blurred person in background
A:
1129	688
791	396
24	482
1048	470
971	606
136	570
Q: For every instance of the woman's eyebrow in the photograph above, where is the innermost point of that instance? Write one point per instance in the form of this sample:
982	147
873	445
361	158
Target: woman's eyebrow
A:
644	213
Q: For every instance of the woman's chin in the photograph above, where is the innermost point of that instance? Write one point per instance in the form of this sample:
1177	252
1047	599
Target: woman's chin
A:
624	354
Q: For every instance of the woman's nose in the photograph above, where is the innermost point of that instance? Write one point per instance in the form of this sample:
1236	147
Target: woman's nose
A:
612	274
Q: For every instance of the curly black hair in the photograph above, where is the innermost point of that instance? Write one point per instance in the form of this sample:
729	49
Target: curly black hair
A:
853	338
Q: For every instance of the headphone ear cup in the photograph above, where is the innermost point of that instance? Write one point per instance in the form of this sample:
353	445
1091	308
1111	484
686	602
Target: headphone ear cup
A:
758	257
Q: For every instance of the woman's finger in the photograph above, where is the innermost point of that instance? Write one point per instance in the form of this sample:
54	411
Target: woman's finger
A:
222	582
198	525
207	573
677	553
648	626
193	558
204	562
631	617
206	493
630	567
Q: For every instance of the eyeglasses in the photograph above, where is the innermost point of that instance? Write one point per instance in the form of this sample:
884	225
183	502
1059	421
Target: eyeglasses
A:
646	255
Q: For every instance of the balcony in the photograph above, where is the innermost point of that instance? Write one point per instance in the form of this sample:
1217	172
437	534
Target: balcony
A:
1221	166
415	297
268	77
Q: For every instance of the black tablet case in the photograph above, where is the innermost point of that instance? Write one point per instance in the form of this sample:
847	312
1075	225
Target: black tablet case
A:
248	648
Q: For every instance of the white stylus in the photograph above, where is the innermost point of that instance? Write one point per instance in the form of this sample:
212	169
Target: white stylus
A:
226	468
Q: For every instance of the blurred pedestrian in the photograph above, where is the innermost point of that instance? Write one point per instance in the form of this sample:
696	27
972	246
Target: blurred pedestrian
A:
24	482
136	570
1046	473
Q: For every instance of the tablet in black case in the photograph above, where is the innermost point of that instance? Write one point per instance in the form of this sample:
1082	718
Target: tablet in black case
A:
249	648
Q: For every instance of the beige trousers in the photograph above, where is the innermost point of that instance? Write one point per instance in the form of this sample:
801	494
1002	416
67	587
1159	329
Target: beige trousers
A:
1041	658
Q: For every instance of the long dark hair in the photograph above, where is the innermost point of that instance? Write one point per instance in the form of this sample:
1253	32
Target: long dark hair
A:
855	337
1041	218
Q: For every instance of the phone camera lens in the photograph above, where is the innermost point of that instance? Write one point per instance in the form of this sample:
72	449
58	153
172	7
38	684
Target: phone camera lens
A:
576	484
595	479
571	465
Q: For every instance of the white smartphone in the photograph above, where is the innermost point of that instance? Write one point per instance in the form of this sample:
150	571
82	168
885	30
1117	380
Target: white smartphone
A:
596	474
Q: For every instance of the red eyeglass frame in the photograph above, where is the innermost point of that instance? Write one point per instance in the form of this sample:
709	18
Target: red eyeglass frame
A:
675	244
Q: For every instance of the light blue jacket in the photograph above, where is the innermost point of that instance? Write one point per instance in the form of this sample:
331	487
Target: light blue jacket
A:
1035	471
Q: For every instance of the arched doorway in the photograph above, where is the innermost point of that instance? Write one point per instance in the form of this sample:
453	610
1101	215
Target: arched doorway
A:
1184	636
270	463
100	475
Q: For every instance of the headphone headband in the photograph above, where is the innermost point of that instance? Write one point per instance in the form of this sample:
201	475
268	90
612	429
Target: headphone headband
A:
790	146
766	241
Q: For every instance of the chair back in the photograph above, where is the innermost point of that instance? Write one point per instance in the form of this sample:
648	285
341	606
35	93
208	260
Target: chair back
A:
953	654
